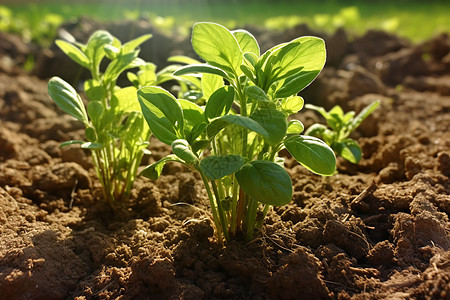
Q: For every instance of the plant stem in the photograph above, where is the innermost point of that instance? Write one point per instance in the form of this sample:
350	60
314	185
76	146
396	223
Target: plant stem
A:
264	213
243	103
216	219
252	210
240	209
274	151
234	204
223	219
100	171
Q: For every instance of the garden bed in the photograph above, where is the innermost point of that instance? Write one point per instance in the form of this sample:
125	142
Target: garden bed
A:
375	230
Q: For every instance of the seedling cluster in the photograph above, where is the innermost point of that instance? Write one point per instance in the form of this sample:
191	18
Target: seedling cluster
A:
116	132
340	126
231	118
233	139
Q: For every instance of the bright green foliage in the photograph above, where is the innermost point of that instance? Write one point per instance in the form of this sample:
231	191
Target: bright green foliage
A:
32	25
147	76
116	132
241	123
340	126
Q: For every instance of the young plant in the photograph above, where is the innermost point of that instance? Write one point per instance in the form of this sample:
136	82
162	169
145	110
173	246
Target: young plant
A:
340	126
116	132
234	139
189	86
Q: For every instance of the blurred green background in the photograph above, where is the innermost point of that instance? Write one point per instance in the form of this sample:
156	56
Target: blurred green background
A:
416	20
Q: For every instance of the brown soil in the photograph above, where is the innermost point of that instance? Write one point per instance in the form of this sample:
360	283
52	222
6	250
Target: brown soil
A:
377	230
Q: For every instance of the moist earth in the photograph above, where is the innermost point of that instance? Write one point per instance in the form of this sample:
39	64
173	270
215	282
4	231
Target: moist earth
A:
376	230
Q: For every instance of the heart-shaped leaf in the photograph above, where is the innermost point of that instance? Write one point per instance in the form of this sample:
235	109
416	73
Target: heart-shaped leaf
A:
274	122
216	167
266	182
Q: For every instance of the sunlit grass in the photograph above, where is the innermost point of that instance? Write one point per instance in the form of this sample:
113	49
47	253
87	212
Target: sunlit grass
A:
411	19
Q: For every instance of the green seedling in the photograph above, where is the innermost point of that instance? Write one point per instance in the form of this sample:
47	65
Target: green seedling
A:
233	139
189	86
340	126
116	132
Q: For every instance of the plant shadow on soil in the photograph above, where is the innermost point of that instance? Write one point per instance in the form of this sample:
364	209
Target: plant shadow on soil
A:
375	230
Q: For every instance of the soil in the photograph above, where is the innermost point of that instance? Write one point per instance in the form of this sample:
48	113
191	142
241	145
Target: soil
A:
376	230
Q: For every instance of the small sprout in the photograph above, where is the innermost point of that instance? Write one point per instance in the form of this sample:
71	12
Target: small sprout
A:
340	126
116	132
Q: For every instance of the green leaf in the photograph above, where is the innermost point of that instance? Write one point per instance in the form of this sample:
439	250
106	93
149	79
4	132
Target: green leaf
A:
90	134
292	105
92	146
131	45
211	83
154	170
95	111
194	132
348	116
316	130
67	98
217	46
135	129
200	68
274	122
217	167
306	53
74	53
182	149
126	100
111	51
72	142
183	60
191	95
133	79
295	127
200	145
193	114
118	65
252	58
109	117
220	123
220	102
334	117
319	109
364	114
94	90
296	83
266	182
348	149
95	47
146	75
137	62
337	111
249	73
162	112
246	41
256	93
312	153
